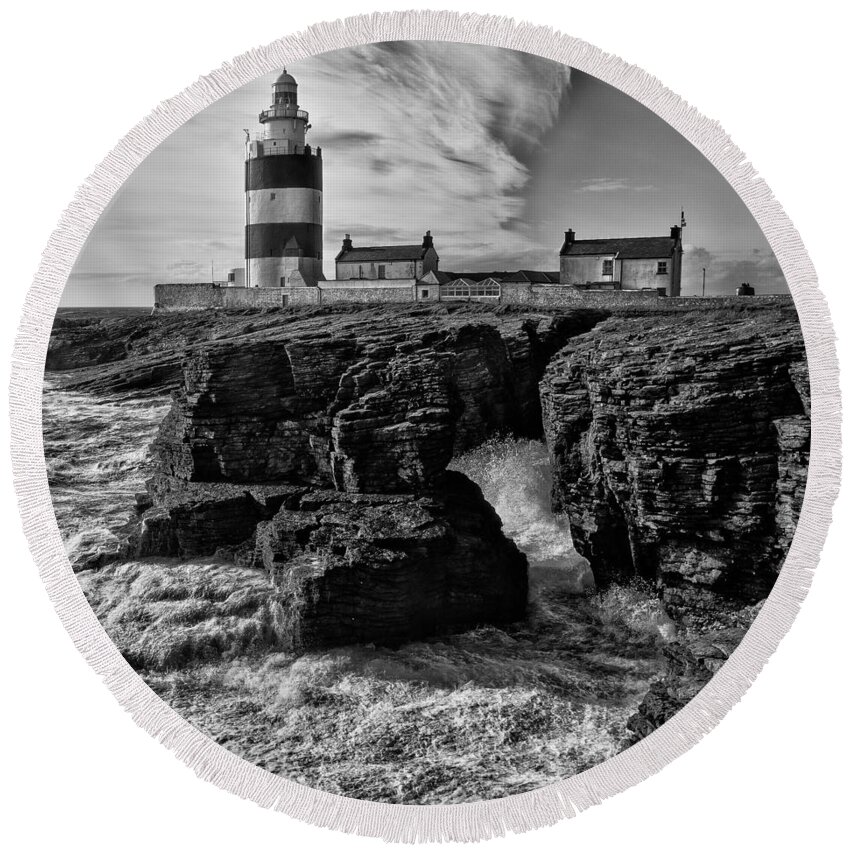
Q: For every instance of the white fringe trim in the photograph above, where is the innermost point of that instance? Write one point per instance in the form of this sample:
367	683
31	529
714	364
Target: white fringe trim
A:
468	821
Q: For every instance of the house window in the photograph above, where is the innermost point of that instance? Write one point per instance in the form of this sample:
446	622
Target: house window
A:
382	272
607	267
662	267
273	195
424	293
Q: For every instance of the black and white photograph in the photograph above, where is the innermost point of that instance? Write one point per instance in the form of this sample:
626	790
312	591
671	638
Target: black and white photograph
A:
426	422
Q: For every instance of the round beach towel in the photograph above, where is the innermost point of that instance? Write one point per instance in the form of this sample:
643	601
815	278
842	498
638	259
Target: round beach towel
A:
425	426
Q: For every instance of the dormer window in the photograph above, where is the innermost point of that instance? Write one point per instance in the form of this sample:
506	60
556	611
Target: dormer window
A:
662	267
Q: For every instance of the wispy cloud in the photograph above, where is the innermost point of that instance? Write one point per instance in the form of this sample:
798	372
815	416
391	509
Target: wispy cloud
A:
613	184
450	133
349	138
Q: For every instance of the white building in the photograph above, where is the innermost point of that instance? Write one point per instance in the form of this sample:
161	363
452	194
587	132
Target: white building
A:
637	263
386	262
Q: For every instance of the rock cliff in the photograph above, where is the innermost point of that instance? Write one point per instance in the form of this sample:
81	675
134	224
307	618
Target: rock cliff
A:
321	456
314	443
365	407
679	448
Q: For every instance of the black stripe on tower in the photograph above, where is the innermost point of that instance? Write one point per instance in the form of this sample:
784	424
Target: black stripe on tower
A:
274	240
290	171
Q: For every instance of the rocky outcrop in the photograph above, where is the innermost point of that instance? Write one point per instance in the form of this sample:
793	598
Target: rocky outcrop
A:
388	568
690	665
137	352
200	519
320	455
679	448
370	407
345	567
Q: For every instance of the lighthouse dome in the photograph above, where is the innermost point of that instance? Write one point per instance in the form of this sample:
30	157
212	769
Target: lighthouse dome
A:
285	79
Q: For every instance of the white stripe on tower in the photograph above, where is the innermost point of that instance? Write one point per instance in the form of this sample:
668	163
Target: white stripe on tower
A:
269	206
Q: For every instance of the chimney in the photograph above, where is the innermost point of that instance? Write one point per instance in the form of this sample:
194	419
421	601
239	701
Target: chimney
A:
569	238
346	243
427	240
675	232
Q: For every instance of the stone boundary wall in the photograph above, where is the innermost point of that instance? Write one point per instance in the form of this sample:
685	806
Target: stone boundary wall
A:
393	295
177	297
301	296
173	297
390	291
555	295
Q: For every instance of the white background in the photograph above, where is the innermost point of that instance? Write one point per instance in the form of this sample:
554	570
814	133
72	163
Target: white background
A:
76	77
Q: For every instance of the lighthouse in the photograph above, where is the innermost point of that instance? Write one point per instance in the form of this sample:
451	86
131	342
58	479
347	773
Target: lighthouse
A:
283	196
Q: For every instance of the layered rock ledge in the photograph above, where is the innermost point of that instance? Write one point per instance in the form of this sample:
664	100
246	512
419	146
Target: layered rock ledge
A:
385	569
362	406
679	449
320	455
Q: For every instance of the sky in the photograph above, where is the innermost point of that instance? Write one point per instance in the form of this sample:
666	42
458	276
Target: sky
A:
496	152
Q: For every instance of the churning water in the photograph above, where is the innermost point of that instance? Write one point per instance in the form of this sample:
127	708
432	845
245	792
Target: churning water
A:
516	479
97	455
482	714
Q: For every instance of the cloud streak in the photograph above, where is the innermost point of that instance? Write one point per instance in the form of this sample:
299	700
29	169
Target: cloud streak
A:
613	184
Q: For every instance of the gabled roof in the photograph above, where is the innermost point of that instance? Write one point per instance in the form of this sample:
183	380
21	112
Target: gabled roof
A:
528	276
477	277
635	248
435	276
382	253
522	276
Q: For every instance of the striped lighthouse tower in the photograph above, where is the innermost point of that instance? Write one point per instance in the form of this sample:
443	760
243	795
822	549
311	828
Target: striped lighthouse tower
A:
283	196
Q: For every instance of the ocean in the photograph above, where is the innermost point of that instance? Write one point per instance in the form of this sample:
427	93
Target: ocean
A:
477	715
